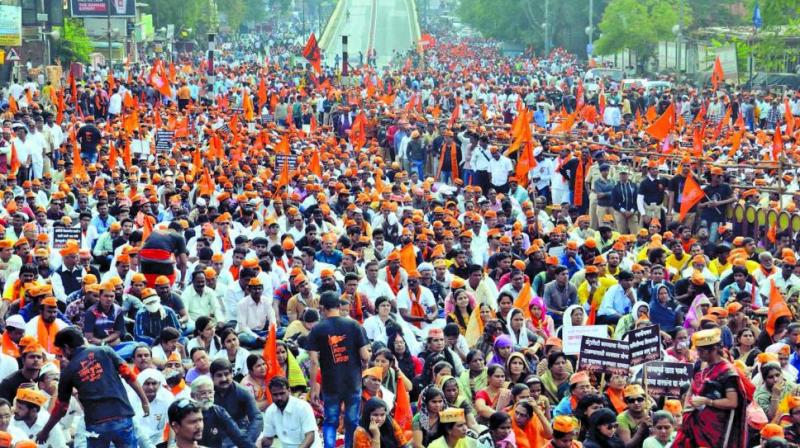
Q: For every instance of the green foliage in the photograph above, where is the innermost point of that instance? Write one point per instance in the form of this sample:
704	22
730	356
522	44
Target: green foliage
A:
74	44
234	11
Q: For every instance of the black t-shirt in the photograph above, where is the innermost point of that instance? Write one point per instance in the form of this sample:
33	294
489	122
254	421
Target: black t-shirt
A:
165	240
89	137
676	185
652	190
720	192
93	371
338	341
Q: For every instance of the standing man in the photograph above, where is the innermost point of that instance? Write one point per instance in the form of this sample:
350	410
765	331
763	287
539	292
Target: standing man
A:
89	137
96	372
500	168
651	194
623	202
332	345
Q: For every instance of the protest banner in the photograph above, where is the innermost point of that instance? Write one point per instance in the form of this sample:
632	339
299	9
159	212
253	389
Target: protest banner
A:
164	140
62	234
665	378
644	344
572	336
601	355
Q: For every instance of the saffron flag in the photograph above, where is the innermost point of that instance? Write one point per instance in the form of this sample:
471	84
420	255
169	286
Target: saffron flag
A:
402	409
270	355
262	93
408	258
717	75
777	143
692	194
315	166
523	300
312	53
661	128
14	168
777	308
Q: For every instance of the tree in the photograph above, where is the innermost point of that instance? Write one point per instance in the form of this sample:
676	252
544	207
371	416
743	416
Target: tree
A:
74	45
638	25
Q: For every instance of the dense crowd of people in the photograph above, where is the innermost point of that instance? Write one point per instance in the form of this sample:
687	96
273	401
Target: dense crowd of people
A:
255	252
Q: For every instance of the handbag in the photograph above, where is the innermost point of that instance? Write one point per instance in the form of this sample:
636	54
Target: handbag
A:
755	417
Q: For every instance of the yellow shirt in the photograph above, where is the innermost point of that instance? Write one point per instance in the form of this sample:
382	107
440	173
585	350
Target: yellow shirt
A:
603	283
676	264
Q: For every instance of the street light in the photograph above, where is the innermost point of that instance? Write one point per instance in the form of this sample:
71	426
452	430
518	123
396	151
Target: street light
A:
676	30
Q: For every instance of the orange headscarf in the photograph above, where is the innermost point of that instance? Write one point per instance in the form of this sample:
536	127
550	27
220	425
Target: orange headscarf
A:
531	436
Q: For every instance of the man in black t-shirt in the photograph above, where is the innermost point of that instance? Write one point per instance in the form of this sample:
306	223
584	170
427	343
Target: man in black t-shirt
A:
161	252
675	192
712	207
332	345
89	137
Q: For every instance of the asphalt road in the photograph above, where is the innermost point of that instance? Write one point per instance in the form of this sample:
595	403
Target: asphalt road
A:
382	24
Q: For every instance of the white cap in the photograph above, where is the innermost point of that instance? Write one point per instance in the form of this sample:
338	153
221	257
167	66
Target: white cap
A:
15	321
201	202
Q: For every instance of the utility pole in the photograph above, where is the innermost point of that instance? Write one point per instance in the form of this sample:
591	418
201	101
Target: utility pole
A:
680	35
345	70
546	27
108	17
591	19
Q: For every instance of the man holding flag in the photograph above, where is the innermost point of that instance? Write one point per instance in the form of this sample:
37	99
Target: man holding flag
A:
718	195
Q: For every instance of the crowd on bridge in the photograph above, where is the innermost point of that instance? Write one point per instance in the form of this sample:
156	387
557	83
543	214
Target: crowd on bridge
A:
259	251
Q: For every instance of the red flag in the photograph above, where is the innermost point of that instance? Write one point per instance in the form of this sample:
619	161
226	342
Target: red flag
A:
312	53
717	75
692	194
313	125
661	128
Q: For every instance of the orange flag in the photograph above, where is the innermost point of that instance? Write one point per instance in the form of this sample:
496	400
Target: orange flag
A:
402	408
777	143
661	128
247	106
112	155
126	155
651	114
77	162
14	162
777	308
772	233
147	229
736	141
639	121
313	125
717	75
315	166
262	93
12	104
206	183
408	258
111	84
456	113
436	111
692	194
787	116
270	354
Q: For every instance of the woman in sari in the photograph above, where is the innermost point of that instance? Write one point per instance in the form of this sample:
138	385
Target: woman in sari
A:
477	320
517	368
376	428
384	359
425	425
773	389
407	362
255	381
521	336
716	400
664	309
502	349
540	323
461	311
574	316
454	398
453	431
474	377
530	425
745	349
555	379
495	397
291	368
699	308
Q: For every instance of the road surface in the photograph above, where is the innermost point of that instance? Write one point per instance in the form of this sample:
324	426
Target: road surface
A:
385	25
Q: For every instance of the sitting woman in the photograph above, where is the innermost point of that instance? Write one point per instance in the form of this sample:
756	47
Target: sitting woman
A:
664	310
165	345
376	429
521	337
555	379
371	387
574	316
291	368
495	397
517	368
205	336
745	349
499	434
454	398
255	381
626	323
773	388
235	354
531	427
540	323
474	377
453	430
680	350
384	359
602	431
425	426
664	431
462	310
501	350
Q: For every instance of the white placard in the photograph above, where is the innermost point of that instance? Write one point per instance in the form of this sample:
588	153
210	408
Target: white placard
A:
571	336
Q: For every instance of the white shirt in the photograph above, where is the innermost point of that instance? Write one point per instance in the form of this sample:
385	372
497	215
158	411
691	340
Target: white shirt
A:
291	425
372	292
115	104
374	328
426	299
500	169
254	316
56	438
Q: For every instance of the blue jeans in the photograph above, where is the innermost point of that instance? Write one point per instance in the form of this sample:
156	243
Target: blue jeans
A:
89	157
118	431
249	341
419	167
332	409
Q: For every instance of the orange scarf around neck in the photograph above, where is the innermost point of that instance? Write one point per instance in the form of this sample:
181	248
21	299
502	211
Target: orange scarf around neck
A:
453	160
416	307
579	180
393	280
46	333
9	347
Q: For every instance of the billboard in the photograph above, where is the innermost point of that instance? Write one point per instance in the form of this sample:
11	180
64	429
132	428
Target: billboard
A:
99	8
10	26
